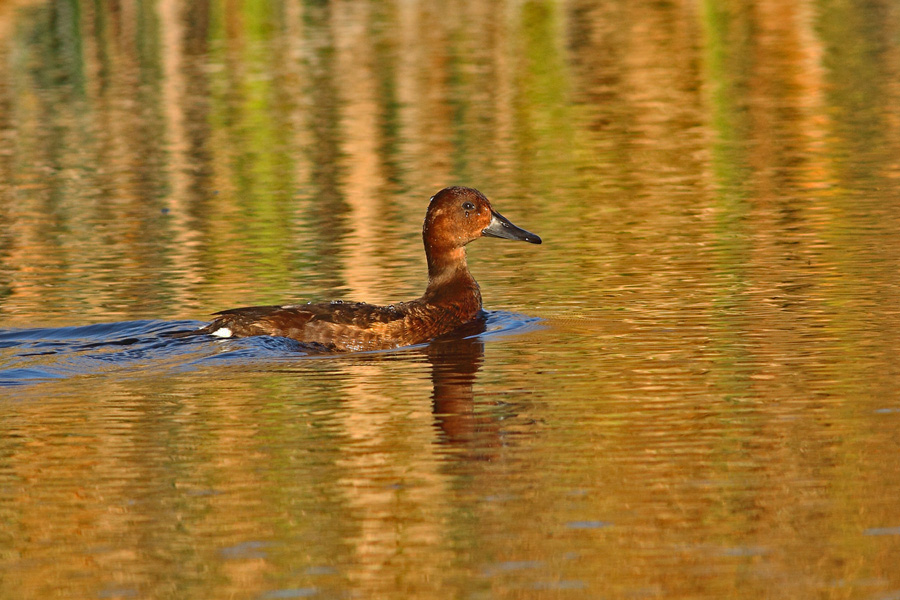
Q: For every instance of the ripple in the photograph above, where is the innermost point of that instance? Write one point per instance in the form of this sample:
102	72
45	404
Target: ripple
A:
291	593
30	356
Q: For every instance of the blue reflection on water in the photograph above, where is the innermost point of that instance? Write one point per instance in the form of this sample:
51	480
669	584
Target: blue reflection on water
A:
34	355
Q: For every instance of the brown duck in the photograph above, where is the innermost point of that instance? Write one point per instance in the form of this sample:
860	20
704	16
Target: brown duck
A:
455	217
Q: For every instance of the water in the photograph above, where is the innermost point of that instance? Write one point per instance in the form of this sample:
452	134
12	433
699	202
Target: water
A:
139	347
688	391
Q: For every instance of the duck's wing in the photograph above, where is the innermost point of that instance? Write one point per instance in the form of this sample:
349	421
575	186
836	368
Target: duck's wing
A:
329	323
254	320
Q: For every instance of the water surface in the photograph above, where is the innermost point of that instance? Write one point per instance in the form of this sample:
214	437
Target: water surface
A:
688	391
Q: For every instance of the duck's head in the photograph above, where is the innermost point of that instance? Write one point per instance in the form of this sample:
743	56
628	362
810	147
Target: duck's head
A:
458	215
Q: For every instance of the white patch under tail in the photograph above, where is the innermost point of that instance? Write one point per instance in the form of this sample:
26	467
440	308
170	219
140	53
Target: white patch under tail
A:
222	332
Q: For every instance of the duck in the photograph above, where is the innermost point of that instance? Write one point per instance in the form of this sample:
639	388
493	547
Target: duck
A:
455	216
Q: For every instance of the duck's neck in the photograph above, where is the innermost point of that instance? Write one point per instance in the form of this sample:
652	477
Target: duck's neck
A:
449	278
445	263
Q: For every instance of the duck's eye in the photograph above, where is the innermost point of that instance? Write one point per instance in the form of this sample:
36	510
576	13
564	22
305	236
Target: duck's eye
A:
468	206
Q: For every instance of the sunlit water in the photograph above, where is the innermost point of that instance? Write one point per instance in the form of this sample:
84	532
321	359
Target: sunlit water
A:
688	391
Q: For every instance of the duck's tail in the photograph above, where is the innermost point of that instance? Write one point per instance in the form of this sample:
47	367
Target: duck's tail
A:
187	333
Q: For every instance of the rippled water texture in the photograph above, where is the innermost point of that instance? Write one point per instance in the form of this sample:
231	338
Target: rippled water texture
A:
690	390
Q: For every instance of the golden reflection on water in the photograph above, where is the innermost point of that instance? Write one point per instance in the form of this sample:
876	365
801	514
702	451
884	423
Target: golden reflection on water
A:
709	409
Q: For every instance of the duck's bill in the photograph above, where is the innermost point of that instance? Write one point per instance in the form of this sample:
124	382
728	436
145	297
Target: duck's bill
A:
500	227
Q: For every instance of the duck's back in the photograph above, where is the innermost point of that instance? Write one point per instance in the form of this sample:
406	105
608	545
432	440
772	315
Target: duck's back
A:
344	326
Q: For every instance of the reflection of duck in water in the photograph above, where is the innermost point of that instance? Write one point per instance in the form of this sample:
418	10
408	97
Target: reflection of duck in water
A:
455	217
455	360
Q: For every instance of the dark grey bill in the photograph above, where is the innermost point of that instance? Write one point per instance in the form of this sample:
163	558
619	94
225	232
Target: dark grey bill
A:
501	227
